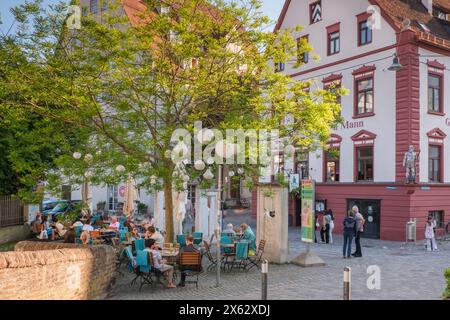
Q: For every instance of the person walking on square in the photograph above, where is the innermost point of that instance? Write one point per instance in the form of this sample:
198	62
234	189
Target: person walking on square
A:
359	230
430	235
349	232
325	230
330	213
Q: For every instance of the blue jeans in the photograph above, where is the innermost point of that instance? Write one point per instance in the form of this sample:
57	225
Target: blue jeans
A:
348	238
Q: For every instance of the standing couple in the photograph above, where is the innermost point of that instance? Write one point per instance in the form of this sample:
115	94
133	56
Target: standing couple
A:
326	231
353	228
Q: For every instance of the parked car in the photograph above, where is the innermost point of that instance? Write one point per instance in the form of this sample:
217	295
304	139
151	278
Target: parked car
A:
64	207
49	205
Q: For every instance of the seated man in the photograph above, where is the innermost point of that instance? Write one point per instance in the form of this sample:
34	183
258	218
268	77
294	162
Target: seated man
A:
188	248
59	229
229	230
114	225
165	269
155	235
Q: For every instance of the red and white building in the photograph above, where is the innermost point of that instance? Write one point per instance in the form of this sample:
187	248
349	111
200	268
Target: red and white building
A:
385	112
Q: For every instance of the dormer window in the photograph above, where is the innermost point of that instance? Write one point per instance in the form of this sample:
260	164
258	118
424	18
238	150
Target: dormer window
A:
162	10
315	12
441	14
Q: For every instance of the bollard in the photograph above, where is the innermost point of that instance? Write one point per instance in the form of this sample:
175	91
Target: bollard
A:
347	282
264	271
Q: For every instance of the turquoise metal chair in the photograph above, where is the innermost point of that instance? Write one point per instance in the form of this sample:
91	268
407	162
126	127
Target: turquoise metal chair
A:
139	245
181	239
78	231
122	236
241	259
198	238
225	240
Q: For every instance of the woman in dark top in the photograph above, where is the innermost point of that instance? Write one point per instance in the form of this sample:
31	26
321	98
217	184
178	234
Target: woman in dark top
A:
349	232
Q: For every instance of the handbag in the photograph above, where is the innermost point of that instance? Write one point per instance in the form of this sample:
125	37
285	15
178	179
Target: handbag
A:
43	235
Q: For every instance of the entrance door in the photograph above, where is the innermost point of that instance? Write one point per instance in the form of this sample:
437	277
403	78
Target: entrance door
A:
370	209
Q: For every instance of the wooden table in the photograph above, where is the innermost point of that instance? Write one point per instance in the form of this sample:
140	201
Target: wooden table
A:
170	256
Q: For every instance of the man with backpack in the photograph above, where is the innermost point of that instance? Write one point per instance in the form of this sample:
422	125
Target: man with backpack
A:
349	233
360	221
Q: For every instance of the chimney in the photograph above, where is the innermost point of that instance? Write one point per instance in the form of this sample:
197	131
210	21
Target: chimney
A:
429	5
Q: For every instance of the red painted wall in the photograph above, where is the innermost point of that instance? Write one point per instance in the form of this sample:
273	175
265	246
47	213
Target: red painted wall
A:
397	206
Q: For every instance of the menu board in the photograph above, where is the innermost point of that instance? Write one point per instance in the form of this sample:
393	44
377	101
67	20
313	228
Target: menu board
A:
308	211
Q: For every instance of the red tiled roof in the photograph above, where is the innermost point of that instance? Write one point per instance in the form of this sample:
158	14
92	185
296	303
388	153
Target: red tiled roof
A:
396	11
415	11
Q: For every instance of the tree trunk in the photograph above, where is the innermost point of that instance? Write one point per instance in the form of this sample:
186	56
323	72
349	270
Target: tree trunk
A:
168	204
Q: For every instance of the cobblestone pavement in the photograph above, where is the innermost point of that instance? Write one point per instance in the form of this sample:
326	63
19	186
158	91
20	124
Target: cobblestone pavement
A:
407	273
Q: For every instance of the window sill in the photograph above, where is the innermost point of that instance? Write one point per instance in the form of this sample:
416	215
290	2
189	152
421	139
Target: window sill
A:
365	115
364	44
333	54
435	113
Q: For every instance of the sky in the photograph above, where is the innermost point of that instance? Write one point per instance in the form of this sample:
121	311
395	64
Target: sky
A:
272	8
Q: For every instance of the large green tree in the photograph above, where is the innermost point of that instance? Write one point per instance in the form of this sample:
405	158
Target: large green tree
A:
129	83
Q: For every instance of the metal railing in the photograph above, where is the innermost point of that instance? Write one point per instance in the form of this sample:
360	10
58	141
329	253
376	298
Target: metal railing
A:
11	211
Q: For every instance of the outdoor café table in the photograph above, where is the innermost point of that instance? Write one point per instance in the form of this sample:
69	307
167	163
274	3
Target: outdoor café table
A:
170	255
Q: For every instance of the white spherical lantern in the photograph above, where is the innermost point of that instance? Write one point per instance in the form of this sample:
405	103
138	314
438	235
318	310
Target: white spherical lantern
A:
88	158
186	178
208	175
205	135
231	173
210	161
240	171
289	150
120	168
199	165
77	155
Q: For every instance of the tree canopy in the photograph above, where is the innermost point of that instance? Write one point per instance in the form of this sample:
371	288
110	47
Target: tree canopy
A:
129	78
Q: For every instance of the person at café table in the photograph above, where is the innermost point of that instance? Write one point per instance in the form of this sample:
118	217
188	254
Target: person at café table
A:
114	225
229	230
188	248
77	223
59	229
155	235
166	270
88	226
135	234
249	236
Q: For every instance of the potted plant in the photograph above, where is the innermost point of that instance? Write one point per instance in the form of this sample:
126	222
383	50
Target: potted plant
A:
446	293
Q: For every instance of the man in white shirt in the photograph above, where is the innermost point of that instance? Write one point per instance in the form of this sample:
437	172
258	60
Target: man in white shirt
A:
155	235
359	230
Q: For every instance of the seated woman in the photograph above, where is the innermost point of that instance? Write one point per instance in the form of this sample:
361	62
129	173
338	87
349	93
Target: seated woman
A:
85	237
249	236
135	234
59	230
114	225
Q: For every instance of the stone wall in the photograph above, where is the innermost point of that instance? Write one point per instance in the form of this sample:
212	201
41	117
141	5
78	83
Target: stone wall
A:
14	233
46	271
